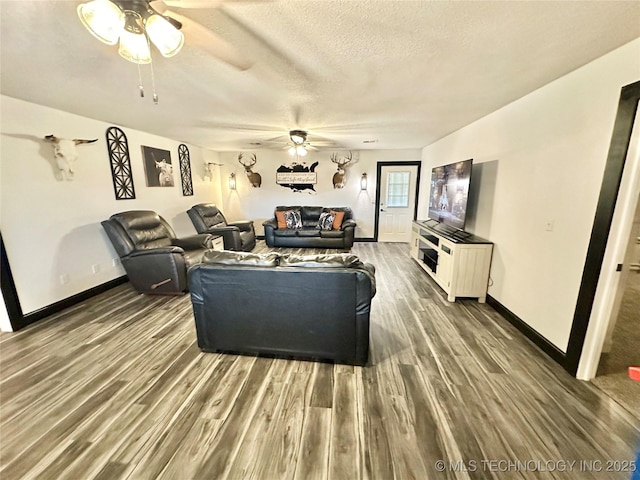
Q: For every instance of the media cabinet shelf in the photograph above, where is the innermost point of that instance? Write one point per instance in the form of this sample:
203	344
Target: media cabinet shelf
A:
458	261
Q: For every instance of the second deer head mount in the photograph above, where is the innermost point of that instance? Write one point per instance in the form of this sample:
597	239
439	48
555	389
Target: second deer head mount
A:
254	178
340	176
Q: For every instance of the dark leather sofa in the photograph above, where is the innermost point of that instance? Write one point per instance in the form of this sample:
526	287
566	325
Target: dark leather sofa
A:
154	259
308	307
207	218
309	235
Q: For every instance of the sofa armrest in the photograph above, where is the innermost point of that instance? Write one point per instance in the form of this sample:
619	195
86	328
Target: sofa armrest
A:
193	242
222	230
370	270
348	223
230	236
243	225
156	251
272	223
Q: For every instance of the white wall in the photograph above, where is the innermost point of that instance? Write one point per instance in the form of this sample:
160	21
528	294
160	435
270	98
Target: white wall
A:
540	160
52	228
258	204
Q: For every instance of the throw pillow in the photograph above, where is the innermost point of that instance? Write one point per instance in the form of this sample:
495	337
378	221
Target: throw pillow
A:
293	219
282	221
337	221
325	222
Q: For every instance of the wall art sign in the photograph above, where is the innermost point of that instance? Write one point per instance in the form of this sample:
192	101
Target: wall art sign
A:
185	170
157	166
297	176
118	148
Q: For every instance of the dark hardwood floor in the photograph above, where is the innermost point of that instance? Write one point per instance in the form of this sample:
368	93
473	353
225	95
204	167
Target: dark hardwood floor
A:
116	388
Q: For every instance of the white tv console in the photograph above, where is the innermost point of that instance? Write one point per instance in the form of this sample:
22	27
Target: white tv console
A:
458	261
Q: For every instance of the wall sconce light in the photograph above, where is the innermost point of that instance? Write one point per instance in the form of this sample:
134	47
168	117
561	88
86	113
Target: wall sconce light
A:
363	182
232	181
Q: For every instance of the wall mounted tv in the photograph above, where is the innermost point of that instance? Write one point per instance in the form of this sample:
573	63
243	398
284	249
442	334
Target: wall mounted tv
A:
449	193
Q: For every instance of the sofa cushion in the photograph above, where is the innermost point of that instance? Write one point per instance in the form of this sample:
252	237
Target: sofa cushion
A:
332	260
293	219
325	222
227	257
331	233
308	232
287	232
310	216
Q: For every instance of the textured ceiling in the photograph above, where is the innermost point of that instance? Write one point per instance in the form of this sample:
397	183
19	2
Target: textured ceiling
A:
402	73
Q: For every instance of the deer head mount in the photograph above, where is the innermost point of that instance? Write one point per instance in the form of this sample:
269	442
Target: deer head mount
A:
254	178
340	176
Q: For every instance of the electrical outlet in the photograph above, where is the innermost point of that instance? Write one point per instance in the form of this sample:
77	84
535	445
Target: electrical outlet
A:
95	268
115	262
549	226
64	279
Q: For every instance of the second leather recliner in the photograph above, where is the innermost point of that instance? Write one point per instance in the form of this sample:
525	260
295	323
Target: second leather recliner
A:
207	218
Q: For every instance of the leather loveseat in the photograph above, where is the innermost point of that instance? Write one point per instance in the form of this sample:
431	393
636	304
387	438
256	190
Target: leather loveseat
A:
309	234
312	307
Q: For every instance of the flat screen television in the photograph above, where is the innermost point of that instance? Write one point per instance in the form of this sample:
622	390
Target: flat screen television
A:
449	193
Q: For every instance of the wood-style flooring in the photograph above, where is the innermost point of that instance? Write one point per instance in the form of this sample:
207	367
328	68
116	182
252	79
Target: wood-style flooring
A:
116	388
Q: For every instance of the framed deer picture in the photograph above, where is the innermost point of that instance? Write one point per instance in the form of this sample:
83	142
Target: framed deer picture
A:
157	166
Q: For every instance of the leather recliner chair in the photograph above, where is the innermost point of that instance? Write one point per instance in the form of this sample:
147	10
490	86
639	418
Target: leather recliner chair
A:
207	218
155	261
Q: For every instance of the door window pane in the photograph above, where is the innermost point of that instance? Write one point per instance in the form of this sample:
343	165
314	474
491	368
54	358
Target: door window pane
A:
398	189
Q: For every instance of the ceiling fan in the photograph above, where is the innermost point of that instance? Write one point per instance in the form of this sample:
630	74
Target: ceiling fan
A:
137	23
298	143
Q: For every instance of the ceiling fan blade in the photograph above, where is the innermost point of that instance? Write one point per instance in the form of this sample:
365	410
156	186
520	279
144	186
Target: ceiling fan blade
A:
200	36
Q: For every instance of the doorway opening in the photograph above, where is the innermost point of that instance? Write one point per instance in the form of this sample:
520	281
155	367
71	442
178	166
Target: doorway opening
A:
397	192
621	348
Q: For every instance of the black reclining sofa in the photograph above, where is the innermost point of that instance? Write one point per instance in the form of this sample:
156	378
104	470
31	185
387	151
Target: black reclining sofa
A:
312	307
309	234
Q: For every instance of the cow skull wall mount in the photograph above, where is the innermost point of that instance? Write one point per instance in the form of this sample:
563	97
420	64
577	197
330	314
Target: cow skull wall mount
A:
66	154
209	167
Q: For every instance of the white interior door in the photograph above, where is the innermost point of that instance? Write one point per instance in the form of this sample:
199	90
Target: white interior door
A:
397	202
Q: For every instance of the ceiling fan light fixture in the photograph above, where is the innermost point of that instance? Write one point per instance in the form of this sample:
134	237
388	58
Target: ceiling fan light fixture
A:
298	136
103	19
134	45
167	38
297	150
